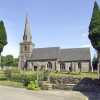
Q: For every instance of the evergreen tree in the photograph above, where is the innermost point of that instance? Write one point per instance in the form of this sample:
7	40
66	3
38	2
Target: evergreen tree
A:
94	27
3	36
94	31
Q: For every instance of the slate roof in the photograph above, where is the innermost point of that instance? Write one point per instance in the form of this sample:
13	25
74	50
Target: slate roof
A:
45	53
73	54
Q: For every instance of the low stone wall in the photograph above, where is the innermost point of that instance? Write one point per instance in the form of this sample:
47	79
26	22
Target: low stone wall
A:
70	83
45	85
64	80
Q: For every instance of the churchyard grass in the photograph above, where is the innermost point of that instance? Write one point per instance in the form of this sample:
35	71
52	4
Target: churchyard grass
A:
11	83
81	75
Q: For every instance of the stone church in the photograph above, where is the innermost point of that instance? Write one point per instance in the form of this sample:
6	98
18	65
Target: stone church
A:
52	58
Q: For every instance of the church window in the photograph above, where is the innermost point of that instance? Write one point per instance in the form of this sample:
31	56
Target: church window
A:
35	68
70	67
62	67
49	66
79	65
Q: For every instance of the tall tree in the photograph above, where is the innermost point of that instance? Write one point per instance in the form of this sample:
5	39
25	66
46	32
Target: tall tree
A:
3	37
94	31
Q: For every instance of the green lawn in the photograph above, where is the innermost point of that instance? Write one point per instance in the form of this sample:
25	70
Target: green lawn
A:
11	83
81	75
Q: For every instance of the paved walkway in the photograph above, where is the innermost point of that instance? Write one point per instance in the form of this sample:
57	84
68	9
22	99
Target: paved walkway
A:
10	93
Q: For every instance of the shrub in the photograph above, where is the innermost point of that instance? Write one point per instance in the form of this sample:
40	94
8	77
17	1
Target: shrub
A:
33	85
46	74
24	78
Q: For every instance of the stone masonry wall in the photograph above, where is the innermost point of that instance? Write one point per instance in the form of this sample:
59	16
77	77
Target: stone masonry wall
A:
77	84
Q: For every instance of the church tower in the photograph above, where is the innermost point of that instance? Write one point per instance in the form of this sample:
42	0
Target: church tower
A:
26	46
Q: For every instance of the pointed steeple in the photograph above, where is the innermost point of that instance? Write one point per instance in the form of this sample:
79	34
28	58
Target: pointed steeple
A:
27	32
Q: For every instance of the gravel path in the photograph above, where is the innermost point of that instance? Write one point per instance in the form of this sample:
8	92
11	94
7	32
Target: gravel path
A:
10	93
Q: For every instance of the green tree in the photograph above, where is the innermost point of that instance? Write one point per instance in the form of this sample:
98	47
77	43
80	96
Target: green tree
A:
15	62
3	61
94	30
9	60
3	36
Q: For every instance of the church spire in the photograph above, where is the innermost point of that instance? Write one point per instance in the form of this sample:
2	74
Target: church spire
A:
27	32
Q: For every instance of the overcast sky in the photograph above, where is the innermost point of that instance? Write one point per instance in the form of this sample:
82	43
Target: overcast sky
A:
62	23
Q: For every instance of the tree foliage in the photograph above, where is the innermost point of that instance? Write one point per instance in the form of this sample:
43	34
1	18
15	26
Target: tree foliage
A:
8	61
3	36
15	62
3	61
94	27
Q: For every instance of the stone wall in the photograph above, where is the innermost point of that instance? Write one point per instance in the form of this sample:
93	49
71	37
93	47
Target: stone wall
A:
85	66
77	84
56	65
40	64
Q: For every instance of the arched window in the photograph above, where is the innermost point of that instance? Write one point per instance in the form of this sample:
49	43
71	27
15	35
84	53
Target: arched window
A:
62	67
35	68
49	66
79	66
70	67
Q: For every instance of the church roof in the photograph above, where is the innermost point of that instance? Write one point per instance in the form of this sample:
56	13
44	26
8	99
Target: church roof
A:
45	53
74	54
